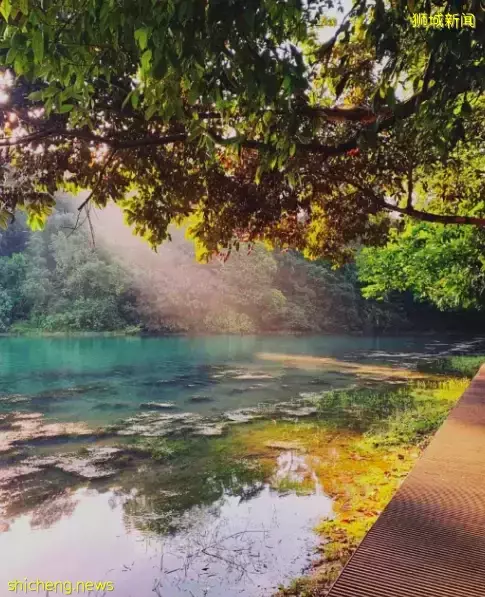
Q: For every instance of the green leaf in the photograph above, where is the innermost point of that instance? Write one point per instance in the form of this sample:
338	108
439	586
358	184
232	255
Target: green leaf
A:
135	98
267	117
4	219
36	96
193	95
48	106
24	6
5	9
20	64
127	99
196	130
141	37
292	150
38	45
51	90
18	40
11	55
65	108
287	84
146	58
150	111
35	221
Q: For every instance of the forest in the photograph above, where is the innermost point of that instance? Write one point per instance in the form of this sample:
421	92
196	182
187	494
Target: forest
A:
63	279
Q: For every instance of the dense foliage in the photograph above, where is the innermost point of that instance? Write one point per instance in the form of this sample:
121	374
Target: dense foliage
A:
232	113
59	282
260	291
439	264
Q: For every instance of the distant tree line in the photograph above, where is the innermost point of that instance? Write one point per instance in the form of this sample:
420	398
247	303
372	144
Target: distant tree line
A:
57	280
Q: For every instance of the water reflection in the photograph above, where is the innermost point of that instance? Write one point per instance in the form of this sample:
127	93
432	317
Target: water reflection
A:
244	540
190	517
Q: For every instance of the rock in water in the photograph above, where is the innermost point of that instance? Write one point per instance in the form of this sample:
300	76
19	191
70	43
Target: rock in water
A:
158	405
201	399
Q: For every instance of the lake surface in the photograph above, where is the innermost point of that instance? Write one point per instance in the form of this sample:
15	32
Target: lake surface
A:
76	505
99	380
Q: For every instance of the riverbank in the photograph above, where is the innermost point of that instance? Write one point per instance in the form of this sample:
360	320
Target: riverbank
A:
138	332
363	473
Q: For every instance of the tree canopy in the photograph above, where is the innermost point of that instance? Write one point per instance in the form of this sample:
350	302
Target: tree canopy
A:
443	265
234	116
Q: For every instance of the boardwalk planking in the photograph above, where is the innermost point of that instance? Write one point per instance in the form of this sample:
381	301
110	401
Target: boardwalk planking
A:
430	539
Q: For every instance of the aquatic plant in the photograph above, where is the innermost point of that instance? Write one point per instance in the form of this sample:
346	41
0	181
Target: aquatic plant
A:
467	366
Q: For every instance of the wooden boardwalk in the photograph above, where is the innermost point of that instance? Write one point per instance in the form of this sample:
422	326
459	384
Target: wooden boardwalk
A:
430	540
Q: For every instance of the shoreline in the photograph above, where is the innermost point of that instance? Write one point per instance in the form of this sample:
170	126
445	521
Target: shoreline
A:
141	334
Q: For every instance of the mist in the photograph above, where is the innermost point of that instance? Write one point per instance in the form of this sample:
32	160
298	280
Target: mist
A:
173	290
264	291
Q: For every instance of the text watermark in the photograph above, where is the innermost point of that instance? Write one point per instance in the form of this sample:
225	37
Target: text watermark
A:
63	587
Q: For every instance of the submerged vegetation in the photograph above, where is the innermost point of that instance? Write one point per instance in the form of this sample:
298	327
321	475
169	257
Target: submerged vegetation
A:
359	447
362	471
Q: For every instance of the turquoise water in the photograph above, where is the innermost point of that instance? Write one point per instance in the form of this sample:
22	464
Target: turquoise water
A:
100	380
198	524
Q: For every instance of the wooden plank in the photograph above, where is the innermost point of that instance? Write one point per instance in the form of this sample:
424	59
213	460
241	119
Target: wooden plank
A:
430	539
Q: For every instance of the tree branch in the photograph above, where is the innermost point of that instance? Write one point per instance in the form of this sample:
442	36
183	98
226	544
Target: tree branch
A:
426	216
387	118
109	159
410	187
417	214
88	136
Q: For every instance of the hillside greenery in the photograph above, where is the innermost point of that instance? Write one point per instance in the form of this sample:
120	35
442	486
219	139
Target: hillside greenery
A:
58	280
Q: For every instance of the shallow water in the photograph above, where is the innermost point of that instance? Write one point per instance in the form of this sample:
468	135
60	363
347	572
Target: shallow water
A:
233	546
199	525
100	380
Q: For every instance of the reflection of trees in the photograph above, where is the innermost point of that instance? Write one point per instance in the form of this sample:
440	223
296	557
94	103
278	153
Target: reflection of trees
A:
164	492
155	495
43	494
52	511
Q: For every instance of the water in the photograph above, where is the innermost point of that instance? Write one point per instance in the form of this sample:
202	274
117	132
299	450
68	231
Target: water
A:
99	380
229	548
199	524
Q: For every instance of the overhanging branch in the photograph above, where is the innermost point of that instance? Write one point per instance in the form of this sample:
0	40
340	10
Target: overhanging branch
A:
385	119
418	214
426	216
109	159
